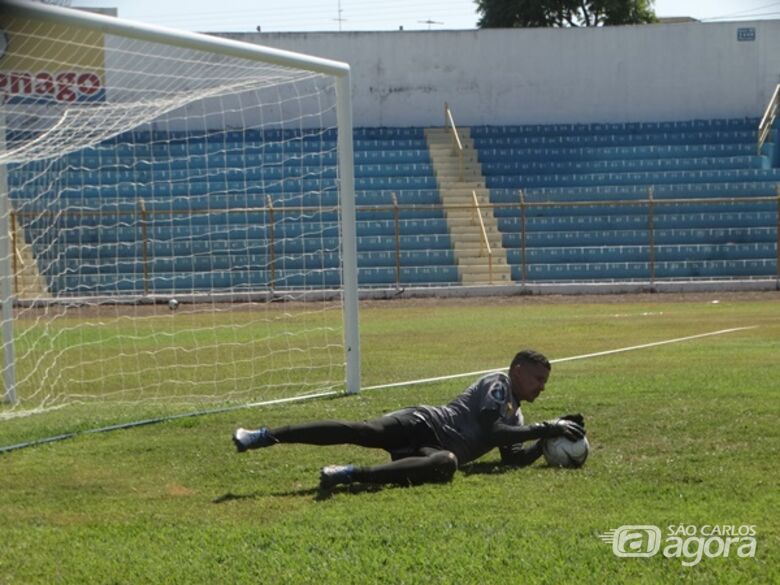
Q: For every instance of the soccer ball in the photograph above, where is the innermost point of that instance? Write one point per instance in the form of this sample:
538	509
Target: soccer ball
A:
561	452
173	304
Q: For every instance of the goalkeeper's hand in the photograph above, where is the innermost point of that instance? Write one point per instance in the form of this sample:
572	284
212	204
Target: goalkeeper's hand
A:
560	427
577	418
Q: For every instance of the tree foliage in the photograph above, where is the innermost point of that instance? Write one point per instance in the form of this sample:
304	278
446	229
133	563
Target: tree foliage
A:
563	13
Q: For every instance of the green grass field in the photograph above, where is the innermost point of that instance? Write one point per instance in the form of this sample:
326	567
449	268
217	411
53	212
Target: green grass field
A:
681	434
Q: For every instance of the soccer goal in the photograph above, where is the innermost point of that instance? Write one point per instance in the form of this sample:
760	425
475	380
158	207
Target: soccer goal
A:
177	227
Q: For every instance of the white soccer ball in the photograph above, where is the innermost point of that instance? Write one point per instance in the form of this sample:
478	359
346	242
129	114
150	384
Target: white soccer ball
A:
561	452
173	304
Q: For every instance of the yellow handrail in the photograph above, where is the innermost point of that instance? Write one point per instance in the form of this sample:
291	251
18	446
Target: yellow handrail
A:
17	256
457	145
271	238
768	120
777	237
144	242
397	229
523	231
485	241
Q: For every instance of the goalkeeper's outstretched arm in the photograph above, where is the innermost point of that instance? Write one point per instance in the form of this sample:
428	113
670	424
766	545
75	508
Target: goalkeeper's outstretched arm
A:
509	438
520	456
504	434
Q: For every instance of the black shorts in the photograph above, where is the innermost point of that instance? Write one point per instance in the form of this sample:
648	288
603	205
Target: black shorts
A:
417	434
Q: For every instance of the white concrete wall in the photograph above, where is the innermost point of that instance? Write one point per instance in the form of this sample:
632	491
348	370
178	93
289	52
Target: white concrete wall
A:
525	76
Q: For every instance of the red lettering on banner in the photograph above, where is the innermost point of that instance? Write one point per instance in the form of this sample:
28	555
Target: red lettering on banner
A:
65	83
89	83
63	86
21	83
44	83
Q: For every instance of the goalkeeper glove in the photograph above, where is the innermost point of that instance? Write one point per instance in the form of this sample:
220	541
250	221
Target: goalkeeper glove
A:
559	427
577	418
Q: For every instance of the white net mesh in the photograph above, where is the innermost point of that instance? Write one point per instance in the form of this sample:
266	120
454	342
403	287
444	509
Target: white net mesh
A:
138	172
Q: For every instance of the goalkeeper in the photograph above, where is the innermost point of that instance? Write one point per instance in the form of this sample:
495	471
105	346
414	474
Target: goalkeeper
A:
427	444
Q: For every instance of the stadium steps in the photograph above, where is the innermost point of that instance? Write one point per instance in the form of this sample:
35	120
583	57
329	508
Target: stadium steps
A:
456	186
28	281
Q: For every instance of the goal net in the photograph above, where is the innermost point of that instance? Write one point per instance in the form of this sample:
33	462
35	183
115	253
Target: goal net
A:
177	222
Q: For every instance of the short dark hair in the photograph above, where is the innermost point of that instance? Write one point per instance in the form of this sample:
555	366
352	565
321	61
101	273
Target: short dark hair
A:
530	356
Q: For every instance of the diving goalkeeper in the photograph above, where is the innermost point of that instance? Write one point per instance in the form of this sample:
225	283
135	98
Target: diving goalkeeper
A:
427	443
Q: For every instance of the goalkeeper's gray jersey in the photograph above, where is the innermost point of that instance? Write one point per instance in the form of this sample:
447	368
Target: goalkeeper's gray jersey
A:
457	425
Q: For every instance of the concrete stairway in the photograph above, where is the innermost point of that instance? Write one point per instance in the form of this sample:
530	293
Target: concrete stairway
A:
28	282
474	263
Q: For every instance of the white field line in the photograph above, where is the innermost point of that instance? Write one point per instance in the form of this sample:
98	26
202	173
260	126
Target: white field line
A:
565	359
151	421
336	393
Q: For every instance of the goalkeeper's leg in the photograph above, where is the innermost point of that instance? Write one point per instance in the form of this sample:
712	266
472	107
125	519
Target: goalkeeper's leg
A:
388	432
428	465
401	435
383	433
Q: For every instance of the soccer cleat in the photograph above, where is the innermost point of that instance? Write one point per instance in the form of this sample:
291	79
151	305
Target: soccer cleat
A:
245	439
333	475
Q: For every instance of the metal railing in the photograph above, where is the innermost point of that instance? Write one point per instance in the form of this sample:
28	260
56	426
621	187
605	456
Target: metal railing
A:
768	119
457	144
523	224
397	230
272	238
651	233
484	243
144	218
651	203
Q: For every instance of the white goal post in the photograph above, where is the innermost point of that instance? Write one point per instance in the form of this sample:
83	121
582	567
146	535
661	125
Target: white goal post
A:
178	218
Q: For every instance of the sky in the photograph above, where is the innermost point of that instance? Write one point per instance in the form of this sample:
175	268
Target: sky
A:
361	15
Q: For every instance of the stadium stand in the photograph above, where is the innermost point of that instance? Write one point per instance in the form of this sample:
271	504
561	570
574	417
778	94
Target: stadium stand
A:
560	168
585	216
205	223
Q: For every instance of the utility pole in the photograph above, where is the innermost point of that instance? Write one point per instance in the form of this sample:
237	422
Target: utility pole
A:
340	19
429	22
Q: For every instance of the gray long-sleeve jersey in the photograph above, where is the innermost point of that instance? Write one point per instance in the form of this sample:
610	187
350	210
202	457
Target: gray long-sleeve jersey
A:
459	426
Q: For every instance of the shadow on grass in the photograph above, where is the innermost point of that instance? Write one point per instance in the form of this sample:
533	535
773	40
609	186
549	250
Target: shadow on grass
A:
489	468
319	494
229	497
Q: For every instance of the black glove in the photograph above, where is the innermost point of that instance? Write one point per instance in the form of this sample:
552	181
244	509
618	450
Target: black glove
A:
577	418
560	427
